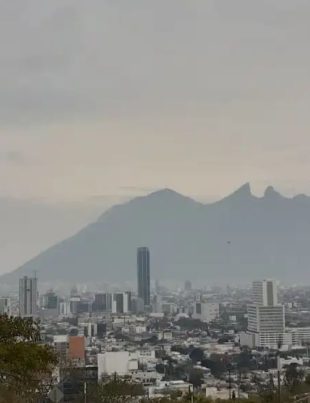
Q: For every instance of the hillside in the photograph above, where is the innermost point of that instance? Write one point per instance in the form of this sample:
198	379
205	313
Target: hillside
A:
233	240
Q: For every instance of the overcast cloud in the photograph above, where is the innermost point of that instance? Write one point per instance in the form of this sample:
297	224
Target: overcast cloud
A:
197	95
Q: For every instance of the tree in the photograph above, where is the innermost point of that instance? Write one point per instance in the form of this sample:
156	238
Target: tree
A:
216	365
196	377
307	380
117	391
293	377
25	365
192	324
196	355
180	349
244	360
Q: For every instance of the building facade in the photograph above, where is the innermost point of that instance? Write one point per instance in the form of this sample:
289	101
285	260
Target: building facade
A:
5	306
266	318
143	274
28	296
265	293
206	311
119	362
121	302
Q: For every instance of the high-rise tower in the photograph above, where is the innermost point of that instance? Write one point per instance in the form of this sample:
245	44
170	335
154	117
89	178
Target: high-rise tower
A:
266	317
28	295
143	272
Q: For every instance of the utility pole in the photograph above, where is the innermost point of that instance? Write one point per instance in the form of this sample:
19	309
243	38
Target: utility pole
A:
279	371
191	393
85	392
239	383
229	368
279	381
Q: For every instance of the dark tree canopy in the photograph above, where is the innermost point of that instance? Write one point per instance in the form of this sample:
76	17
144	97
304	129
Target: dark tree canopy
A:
117	391
25	364
196	355
293	377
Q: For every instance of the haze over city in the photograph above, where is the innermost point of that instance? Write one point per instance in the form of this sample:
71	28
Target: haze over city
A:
154	201
105	102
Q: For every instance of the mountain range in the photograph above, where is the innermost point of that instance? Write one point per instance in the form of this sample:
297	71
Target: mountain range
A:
232	241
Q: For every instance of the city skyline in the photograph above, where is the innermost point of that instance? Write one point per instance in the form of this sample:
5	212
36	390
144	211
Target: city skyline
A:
154	201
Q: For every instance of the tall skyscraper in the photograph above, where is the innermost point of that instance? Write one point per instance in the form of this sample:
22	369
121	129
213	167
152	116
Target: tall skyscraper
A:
143	271
28	295
266	317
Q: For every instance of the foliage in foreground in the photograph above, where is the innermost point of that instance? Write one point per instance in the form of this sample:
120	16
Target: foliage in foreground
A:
25	365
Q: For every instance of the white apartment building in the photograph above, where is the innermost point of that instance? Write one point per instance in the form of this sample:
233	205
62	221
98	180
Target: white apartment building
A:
266	318
265	293
65	308
206	311
300	335
119	362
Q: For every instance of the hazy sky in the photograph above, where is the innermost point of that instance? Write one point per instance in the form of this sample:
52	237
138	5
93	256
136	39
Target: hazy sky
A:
113	97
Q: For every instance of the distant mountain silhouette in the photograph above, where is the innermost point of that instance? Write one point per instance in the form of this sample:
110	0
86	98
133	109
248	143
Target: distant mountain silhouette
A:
236	239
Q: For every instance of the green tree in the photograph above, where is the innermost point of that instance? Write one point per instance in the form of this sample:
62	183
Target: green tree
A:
196	355
117	391
293	377
192	324
196	377
25	365
216	364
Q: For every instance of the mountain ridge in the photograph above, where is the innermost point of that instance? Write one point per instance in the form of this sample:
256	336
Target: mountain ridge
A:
268	235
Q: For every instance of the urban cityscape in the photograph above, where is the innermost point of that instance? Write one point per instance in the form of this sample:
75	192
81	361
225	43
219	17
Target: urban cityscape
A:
154	201
221	343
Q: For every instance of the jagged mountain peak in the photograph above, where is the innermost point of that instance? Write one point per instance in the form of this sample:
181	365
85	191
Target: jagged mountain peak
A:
243	193
185	237
244	190
271	193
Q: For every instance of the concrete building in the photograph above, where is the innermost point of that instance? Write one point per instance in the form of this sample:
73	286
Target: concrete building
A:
49	300
300	335
49	304
119	362
103	302
266	318
61	346
143	274
267	340
265	293
28	296
206	311
64	308
77	349
121	302
137	305
5	306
